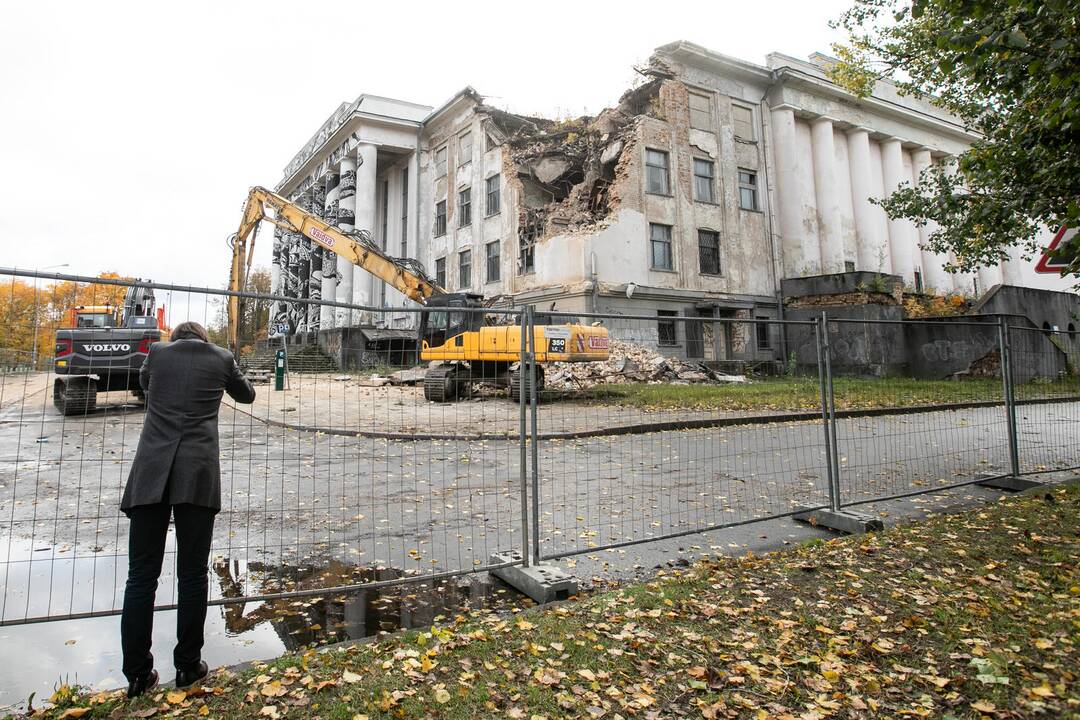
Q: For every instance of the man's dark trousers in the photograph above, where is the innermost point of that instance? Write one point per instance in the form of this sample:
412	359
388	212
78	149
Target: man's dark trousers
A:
146	549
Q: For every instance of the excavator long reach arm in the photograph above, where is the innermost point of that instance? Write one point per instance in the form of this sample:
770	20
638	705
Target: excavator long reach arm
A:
401	273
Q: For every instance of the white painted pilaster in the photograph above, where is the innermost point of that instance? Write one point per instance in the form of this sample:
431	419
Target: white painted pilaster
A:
790	190
827	192
346	221
902	233
366	192
934	275
871	223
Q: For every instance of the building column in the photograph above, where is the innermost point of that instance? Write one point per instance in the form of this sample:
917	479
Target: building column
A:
278	258
902	233
788	193
827	189
871	223
989	276
346	220
1012	268
318	207
303	271
329	263
366	191
933	264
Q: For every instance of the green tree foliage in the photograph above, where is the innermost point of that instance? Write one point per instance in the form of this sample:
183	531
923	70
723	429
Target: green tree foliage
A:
1010	70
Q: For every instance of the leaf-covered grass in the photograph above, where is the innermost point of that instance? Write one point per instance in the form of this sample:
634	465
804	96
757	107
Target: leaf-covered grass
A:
802	393
959	616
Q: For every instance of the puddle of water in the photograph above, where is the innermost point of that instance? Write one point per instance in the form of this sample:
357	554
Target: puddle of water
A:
37	579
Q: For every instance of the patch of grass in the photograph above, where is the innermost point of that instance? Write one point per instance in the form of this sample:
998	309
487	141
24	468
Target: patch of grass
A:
964	615
803	393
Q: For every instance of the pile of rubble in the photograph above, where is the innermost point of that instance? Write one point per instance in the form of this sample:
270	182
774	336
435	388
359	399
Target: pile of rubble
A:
629	363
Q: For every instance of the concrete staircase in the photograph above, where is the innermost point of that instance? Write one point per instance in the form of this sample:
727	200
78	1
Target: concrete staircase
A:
301	359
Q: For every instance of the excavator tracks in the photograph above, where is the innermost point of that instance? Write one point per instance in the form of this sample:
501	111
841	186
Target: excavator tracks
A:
442	383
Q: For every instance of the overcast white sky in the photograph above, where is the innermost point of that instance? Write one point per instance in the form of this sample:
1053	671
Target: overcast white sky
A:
131	131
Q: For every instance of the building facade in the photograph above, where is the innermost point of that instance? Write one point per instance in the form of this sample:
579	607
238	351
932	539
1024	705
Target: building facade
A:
695	196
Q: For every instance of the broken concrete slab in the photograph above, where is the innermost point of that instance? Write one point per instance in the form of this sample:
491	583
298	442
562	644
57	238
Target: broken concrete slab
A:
1008	482
412	376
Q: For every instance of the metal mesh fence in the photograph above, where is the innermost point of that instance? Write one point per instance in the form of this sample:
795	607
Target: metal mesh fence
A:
690	425
324	482
1045	366
370	458
908	436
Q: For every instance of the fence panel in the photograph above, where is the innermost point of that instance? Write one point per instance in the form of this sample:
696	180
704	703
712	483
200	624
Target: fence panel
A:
1046	378
927	424
345	477
690	425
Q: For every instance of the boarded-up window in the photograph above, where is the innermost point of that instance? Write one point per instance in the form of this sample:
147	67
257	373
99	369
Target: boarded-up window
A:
464	148
701	111
440	162
742	118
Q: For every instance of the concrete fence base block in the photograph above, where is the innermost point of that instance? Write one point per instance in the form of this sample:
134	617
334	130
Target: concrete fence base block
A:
841	520
542	582
1008	482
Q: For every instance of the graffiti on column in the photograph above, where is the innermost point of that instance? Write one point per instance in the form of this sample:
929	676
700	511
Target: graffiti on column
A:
303	271
345	213
329	266
279	269
318	207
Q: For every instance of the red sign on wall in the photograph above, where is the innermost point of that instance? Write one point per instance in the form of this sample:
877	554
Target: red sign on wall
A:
1052	265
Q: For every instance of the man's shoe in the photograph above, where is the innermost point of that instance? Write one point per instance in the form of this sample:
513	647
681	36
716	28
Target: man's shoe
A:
141	685
187	678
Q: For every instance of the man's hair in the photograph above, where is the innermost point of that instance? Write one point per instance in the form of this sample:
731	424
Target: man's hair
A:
189	330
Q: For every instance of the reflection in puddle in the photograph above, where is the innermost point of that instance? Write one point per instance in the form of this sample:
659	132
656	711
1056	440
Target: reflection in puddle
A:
307	621
87	651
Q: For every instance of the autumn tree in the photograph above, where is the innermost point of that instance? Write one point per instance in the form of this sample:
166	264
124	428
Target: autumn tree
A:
1011	72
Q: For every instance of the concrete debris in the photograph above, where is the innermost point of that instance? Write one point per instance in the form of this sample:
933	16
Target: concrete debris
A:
412	376
629	363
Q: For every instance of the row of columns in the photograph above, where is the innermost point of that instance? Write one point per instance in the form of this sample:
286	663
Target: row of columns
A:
344	197
818	205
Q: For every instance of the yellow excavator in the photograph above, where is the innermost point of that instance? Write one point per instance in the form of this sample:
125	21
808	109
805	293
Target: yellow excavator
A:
467	349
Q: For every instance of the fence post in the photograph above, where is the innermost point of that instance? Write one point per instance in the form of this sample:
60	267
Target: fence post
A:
534	397
833	517
1012	481
821	341
526	551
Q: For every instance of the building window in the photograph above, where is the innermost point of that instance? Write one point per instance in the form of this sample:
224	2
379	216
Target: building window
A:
492	261
440	162
404	212
656	172
748	189
1072	330
490	143
703	181
464	148
763	340
660	246
491	195
531	229
464	269
701	111
666	332
742	118
709	252
440	218
440	272
918	281
464	207
849	266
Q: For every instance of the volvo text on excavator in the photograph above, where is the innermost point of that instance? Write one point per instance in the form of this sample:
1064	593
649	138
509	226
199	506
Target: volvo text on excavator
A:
465	348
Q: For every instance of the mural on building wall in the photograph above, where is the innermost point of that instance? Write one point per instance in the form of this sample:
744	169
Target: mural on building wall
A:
318	208
330	274
279	315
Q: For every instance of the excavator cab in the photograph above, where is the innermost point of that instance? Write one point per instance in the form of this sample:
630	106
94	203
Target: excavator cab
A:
439	321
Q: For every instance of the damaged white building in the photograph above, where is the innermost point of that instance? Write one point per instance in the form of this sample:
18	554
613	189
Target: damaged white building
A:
695	196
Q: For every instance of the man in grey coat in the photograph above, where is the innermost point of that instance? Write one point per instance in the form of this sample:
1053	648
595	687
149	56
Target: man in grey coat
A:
175	472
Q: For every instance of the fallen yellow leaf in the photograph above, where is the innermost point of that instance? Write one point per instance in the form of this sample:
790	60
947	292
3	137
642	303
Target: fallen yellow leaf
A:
441	696
176	697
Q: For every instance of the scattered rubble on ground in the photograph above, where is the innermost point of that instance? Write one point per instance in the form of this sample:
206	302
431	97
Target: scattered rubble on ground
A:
629	363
